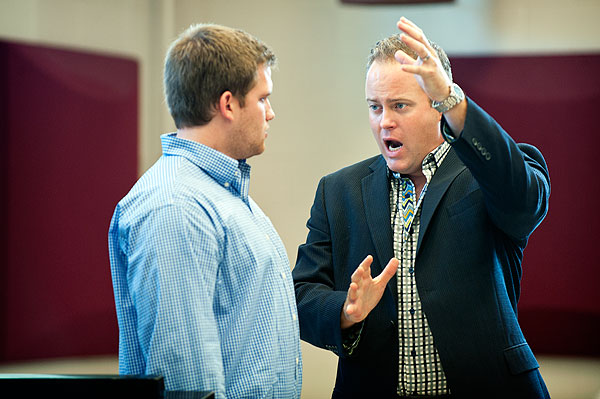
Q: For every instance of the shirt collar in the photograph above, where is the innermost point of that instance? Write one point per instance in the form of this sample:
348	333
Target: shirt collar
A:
434	159
227	171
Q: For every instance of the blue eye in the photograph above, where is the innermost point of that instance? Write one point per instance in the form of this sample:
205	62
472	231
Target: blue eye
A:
373	107
400	105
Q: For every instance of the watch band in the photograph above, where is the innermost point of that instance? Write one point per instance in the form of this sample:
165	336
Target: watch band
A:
455	97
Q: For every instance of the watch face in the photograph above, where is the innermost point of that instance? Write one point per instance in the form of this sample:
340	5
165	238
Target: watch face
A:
455	97
459	93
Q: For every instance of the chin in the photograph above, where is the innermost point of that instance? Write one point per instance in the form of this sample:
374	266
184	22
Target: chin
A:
395	166
256	152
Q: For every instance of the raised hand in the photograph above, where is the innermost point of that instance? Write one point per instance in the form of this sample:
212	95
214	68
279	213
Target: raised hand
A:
365	292
427	68
428	71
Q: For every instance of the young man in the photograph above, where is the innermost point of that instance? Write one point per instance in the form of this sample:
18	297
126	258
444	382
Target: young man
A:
201	279
441	217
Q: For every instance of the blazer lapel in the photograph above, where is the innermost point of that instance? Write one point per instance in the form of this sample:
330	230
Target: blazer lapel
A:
376	200
440	182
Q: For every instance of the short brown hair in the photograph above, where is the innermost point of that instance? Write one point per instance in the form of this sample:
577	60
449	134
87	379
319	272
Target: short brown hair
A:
205	61
385	49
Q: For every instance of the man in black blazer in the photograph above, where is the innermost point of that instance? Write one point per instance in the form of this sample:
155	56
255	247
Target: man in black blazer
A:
441	218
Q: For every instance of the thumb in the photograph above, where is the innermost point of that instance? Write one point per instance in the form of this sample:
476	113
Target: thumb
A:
389	271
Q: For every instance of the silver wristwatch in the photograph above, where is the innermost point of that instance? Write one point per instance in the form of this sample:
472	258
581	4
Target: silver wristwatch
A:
455	97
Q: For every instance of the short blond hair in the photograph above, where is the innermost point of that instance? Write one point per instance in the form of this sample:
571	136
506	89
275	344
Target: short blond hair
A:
384	51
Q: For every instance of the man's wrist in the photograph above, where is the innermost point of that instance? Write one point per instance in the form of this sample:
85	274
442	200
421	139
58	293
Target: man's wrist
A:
351	338
447	132
455	97
344	322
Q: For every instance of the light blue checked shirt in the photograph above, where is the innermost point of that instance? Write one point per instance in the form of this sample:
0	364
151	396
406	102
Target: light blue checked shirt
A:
202	283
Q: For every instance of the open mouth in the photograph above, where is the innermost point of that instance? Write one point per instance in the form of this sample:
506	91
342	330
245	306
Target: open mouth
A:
392	145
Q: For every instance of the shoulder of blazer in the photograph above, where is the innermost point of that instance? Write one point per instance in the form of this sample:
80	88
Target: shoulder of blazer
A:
358	169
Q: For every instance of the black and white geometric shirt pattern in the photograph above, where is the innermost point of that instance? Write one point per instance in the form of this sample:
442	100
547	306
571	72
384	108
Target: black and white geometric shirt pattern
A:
420	369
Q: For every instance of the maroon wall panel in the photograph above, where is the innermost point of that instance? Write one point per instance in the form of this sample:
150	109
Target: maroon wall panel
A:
69	127
69	130
553	102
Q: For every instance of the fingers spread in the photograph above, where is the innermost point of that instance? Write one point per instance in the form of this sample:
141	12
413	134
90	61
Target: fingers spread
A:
363	270
411	29
388	272
349	309
358	274
353	292
391	268
404	20
367	261
403	58
420	48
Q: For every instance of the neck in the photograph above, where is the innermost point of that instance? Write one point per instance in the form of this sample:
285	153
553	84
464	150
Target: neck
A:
419	182
209	135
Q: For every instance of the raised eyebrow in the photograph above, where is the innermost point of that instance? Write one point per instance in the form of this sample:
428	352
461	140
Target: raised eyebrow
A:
390	101
397	100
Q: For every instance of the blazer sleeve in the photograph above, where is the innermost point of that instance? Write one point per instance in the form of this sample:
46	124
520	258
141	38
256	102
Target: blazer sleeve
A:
319	303
513	177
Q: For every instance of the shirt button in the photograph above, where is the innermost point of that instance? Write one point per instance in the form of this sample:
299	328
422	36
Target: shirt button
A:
411	270
226	184
294	317
413	352
412	311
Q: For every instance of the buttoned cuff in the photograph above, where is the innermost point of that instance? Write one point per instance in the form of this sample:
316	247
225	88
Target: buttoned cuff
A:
447	133
351	337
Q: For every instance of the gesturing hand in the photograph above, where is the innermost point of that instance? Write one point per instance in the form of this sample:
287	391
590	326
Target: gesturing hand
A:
428	69
365	292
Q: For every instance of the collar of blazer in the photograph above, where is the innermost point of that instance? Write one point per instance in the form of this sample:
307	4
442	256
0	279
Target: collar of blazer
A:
450	168
375	192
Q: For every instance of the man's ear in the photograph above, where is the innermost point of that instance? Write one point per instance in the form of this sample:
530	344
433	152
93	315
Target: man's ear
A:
227	105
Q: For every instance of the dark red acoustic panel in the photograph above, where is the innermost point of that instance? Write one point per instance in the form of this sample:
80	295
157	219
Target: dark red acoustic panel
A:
553	102
69	125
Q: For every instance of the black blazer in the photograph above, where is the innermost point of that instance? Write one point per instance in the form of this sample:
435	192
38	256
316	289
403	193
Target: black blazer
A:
484	201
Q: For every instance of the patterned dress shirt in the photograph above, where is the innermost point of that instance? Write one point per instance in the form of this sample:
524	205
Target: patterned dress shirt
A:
202	282
420	369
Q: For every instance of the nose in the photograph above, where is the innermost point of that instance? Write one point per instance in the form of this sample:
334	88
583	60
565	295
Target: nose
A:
387	121
270	114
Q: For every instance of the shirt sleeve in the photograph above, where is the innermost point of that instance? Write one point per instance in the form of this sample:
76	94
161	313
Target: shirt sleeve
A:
173	264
